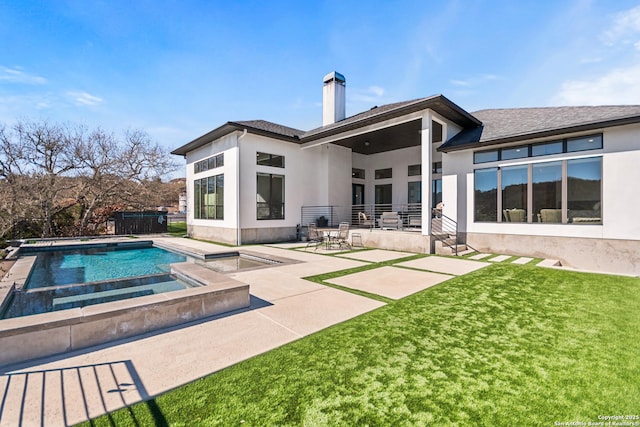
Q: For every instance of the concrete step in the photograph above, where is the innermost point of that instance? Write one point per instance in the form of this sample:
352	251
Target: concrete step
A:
443	249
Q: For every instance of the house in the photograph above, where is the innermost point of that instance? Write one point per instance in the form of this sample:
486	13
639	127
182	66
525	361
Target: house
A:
545	182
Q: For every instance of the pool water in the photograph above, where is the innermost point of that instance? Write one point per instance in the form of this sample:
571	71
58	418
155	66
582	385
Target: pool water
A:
46	300
57	268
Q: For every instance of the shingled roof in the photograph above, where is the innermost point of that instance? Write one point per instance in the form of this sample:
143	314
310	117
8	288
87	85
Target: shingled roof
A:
516	124
481	128
274	128
438	103
258	127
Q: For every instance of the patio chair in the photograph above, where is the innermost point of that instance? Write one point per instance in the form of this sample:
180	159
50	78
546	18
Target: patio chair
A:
365	221
515	215
315	237
390	220
551	215
341	240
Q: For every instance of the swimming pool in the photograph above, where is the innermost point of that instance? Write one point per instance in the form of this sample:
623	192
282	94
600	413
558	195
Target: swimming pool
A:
73	316
77	276
64	267
64	279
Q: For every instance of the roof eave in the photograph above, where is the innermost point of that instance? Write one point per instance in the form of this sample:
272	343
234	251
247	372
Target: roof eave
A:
226	129
422	104
542	134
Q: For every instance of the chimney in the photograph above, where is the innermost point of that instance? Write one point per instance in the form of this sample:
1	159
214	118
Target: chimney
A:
333	98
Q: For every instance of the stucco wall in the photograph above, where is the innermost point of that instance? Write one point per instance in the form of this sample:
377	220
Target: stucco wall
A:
229	146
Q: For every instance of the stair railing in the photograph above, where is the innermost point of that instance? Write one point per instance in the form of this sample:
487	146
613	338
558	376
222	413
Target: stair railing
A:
443	228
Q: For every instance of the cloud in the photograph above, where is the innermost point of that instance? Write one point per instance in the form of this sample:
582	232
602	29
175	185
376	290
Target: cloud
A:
618	86
376	90
372	94
473	81
16	75
84	98
625	28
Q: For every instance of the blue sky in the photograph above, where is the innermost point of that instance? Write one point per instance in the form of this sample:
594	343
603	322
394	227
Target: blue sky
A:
178	69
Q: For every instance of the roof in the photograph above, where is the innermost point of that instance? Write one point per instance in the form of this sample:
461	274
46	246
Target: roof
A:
481	128
517	124
438	103
258	127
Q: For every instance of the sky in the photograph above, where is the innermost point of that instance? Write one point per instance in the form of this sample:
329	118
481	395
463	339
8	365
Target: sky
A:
178	69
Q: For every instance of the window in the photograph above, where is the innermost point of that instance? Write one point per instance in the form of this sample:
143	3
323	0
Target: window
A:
270	196
570	145
584	190
415	192
209	163
486	195
562	191
414	170
209	198
274	160
383	194
357	173
436	190
554	147
547	191
514	193
593	142
436	129
383	173
514	153
437	167
485	156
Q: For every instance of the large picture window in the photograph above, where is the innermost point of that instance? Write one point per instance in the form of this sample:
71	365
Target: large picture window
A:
547	192
514	193
584	190
486	195
209	198
270	196
563	191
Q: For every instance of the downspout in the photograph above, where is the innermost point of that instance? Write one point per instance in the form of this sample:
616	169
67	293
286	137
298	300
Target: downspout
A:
238	230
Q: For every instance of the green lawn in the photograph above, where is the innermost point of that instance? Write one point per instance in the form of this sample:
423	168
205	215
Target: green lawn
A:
506	345
178	229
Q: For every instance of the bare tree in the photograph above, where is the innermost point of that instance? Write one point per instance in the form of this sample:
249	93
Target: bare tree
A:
47	155
47	169
114	171
12	183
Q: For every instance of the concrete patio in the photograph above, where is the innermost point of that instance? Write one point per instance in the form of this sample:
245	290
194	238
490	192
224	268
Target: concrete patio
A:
66	389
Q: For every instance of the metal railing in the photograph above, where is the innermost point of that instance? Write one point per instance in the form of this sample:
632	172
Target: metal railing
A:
332	216
444	229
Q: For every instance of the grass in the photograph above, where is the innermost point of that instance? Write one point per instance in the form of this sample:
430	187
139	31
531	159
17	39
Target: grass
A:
505	345
177	229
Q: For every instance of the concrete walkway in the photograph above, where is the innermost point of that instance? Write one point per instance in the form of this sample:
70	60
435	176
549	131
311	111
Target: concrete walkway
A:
67	389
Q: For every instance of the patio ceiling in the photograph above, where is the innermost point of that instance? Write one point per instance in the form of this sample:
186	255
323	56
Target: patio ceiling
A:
387	139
